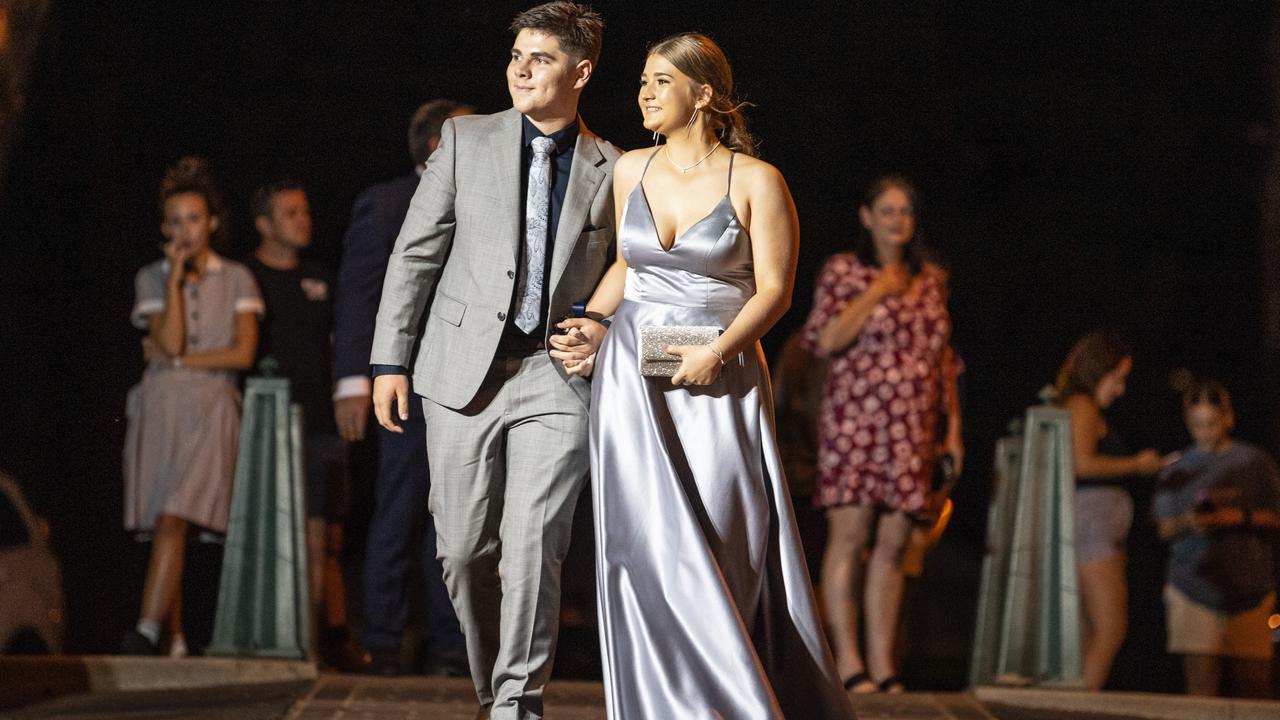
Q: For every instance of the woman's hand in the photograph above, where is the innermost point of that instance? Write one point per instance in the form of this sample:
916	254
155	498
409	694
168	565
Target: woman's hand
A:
583	368
177	254
892	280
1147	462
699	364
580	340
954	446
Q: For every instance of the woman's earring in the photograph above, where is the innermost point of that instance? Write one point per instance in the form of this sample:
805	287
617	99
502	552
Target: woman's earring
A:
688	127
655	138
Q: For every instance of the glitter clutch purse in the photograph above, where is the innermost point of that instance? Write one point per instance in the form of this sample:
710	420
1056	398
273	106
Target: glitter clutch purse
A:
654	362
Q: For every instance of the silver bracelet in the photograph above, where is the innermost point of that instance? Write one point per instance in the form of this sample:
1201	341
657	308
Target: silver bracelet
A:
719	355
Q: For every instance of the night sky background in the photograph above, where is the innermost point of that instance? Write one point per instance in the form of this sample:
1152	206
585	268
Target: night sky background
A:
1079	164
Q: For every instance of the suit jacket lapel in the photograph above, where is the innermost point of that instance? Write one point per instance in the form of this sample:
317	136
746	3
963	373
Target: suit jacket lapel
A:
585	177
505	158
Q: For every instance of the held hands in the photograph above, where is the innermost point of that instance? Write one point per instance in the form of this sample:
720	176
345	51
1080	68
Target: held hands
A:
699	364
391	400
576	347
352	416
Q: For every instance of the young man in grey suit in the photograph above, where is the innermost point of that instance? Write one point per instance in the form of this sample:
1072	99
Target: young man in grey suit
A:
510	226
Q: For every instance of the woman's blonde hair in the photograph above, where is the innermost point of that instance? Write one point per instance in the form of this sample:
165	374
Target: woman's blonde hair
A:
699	57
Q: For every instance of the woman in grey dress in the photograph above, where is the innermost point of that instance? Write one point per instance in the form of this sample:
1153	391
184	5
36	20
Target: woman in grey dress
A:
706	608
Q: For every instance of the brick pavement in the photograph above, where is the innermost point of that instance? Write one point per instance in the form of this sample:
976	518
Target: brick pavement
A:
347	697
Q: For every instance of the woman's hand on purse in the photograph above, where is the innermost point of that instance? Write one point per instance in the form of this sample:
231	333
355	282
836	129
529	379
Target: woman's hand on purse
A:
699	364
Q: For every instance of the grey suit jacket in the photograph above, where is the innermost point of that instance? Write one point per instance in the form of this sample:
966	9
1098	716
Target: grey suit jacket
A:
457	254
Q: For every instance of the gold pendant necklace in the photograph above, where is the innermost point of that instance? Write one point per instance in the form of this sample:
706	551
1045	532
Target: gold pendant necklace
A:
683	170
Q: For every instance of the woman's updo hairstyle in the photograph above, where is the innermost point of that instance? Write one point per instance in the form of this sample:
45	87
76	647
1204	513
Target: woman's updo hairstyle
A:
190	174
699	57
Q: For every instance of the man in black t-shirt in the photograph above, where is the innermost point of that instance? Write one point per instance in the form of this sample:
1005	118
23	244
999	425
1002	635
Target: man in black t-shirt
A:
297	333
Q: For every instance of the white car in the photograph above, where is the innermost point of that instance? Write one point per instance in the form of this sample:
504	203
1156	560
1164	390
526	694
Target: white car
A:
31	607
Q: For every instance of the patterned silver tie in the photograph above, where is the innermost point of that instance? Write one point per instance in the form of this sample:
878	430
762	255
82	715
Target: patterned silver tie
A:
537	211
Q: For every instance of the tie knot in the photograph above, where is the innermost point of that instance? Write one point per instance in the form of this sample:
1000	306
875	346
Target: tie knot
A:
543	145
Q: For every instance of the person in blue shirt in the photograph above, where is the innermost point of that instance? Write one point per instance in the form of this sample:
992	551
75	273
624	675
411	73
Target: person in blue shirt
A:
1218	507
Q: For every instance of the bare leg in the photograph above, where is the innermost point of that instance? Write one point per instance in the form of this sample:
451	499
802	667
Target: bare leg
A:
849	528
1105	600
884	591
1203	674
315	568
1252	678
162	591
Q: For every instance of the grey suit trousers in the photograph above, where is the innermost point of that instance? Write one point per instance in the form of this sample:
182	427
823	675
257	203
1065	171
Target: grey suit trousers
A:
521	443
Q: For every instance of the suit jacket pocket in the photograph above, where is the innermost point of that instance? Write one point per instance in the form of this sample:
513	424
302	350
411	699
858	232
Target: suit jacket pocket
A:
448	309
598	236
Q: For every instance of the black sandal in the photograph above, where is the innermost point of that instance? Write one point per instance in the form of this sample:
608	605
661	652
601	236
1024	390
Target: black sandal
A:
852	682
892	684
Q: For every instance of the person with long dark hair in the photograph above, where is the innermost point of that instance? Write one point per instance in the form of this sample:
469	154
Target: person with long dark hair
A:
200	314
705	602
880	315
1090	380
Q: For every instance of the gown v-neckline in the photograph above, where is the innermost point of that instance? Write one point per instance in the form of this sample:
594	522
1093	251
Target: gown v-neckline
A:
657	236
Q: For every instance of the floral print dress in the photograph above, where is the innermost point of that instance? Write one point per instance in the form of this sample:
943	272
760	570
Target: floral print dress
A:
882	396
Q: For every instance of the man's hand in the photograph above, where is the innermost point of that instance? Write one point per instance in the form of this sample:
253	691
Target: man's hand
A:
391	400
352	415
580	340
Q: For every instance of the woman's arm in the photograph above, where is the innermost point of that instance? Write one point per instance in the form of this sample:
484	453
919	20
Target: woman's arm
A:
583	335
954	441
1087	428
844	328
167	328
239	356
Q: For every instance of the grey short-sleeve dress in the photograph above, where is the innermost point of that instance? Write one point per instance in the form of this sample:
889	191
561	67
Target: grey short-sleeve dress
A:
180	445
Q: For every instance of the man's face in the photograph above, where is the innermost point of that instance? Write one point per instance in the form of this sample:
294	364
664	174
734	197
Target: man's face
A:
290	218
543	80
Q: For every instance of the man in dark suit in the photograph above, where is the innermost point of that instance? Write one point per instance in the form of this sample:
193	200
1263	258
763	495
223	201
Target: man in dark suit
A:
400	495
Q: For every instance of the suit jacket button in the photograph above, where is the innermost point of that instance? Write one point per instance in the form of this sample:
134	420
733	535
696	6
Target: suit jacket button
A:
511	273
502	316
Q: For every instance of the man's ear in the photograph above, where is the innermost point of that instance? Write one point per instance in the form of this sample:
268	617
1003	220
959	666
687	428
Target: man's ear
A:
263	225
582	73
213	224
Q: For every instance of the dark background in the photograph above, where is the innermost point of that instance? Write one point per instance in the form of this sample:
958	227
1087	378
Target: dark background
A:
1079	164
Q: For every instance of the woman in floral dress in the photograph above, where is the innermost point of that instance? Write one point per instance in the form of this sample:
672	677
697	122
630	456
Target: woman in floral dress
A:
880	315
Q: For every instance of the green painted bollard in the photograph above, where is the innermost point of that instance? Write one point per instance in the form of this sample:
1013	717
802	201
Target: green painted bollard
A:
995	563
1029	608
262	597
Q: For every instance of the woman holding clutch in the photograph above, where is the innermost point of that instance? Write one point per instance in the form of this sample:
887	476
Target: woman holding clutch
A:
705	602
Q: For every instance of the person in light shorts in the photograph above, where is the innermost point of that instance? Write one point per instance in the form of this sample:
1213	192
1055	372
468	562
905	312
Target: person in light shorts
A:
1218	506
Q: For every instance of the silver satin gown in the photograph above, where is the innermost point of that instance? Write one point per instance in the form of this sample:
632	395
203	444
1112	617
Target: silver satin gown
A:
706	608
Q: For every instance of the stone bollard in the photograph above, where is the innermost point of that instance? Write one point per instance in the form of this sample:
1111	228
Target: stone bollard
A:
1028	627
263	609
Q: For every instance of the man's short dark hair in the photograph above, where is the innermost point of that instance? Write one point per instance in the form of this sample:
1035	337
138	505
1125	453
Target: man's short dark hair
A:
265	195
426	123
579	29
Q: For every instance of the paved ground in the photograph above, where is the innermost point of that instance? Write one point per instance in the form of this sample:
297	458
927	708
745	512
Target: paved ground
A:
349	697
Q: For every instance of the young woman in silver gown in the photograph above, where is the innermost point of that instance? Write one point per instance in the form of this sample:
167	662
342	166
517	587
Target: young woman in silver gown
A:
706	607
